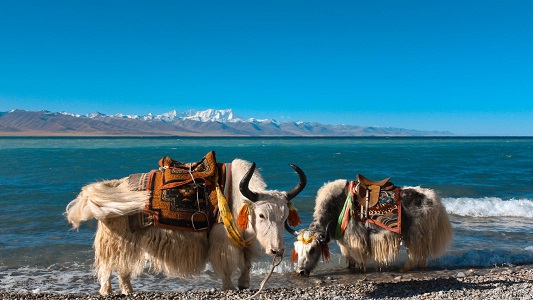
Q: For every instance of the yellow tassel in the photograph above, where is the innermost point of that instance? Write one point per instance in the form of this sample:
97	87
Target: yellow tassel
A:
231	228
294	218
242	218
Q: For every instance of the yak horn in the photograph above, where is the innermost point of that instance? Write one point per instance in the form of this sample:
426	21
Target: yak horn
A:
300	186
245	181
289	229
329	228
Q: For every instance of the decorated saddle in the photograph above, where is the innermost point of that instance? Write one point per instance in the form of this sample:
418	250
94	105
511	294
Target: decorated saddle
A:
372	202
183	196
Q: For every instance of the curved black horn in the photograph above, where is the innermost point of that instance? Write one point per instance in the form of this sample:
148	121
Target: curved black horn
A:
243	186
300	186
289	229
330	230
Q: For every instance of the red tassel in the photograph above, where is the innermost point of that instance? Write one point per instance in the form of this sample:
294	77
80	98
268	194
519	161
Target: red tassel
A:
294	218
242	218
294	257
325	252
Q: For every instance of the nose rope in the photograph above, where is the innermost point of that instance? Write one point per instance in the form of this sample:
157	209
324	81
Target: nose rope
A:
274	265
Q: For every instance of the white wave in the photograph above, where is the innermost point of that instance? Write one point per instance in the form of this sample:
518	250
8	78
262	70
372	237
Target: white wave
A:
489	207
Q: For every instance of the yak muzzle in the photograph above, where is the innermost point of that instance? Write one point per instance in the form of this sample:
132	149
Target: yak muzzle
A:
277	252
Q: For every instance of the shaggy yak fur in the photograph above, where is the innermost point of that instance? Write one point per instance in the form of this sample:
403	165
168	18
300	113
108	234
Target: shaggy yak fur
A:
425	231
180	253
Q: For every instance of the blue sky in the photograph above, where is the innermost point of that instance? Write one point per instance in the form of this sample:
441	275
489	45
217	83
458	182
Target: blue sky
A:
461	66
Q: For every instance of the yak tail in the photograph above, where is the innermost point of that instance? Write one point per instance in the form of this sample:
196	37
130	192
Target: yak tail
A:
105	199
441	231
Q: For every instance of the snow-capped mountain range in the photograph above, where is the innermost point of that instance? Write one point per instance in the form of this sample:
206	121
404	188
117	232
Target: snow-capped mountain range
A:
208	115
210	122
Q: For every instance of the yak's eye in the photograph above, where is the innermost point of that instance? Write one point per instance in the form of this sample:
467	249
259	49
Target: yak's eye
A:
261	216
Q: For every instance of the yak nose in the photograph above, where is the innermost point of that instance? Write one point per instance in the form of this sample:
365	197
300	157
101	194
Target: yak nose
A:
277	252
304	273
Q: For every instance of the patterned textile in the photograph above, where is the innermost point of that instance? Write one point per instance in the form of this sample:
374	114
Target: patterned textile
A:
386	213
182	196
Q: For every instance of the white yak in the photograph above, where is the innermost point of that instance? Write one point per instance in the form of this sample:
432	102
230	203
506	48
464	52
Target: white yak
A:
177	252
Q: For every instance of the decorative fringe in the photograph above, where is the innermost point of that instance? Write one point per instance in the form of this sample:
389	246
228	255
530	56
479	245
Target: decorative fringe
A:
242	218
294	218
325	252
294	257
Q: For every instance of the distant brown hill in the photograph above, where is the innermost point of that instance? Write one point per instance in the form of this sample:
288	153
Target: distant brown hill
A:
203	123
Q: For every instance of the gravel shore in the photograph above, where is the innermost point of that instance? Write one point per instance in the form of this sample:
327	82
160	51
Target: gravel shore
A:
491	283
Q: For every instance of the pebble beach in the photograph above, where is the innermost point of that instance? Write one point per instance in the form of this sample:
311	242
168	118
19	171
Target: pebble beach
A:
488	283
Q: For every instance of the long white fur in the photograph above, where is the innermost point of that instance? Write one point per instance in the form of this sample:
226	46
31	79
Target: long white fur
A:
428	236
175	253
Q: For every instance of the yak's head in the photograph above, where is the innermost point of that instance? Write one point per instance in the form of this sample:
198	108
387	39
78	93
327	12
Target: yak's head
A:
268	211
310	245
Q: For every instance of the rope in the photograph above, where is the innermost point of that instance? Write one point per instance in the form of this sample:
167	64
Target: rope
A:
274	265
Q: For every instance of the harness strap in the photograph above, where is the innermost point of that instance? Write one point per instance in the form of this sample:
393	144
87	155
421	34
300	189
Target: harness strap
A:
344	216
227	182
226	216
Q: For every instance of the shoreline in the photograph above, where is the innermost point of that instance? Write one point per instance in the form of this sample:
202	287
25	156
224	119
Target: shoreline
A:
504	282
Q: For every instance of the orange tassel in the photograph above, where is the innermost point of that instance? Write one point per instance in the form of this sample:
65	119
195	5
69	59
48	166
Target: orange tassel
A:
294	218
294	257
325	252
242	218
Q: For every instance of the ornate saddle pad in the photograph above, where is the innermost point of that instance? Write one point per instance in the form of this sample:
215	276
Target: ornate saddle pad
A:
380	204
182	195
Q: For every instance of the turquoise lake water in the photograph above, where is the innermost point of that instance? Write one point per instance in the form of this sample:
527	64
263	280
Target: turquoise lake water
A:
486	185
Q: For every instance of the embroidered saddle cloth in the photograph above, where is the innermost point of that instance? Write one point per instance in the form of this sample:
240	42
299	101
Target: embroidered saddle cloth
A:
182	195
384	203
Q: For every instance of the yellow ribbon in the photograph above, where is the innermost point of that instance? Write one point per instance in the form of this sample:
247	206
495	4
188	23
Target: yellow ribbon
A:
227	218
305	241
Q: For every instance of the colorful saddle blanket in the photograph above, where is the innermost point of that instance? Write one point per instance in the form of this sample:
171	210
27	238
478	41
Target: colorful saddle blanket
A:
387	213
386	210
182	195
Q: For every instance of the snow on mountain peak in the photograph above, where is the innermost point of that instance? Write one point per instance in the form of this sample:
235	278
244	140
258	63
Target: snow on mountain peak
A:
208	115
211	115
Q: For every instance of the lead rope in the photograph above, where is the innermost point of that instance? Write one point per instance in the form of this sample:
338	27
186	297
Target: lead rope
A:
274	265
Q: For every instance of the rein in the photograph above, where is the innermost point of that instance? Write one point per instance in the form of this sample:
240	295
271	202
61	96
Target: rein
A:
274	265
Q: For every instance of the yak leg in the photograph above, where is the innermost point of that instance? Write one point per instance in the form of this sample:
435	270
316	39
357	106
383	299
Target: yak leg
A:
356	258
356	265
414	260
223	255
105	282
409	264
244	279
124	281
421	263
